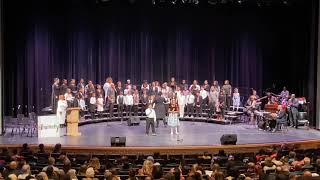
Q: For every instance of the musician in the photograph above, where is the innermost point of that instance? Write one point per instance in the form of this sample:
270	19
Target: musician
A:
236	99
181	101
252	108
55	94
190	104
73	87
222	103
120	103
64	87
213	101
173	83
136	100
281	116
227	90
111	98
293	111
198	104
284	95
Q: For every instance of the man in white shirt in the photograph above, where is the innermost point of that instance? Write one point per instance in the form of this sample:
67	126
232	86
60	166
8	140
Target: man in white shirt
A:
181	101
150	120
204	94
190	104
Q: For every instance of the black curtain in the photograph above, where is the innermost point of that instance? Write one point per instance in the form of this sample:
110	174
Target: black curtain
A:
251	46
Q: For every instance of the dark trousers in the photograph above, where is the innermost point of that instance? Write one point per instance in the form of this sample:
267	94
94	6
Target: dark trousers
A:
228	102
143	109
150	122
190	109
111	106
128	110
164	122
135	109
212	109
293	117
166	107
199	110
272	124
99	114
120	110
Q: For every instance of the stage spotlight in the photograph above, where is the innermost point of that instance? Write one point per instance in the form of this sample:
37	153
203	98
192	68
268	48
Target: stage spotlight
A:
213	2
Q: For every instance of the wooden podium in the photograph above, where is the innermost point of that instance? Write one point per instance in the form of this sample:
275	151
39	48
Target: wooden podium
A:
73	121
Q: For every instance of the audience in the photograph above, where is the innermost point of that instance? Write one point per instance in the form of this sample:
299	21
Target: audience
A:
278	163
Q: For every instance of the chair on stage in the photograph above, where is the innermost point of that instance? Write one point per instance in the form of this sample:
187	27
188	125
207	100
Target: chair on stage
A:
302	119
283	125
10	123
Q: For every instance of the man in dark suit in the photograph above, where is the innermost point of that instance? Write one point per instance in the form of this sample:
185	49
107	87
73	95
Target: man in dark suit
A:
293	113
198	104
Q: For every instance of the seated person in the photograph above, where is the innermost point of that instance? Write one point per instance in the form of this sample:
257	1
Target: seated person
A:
252	107
281	116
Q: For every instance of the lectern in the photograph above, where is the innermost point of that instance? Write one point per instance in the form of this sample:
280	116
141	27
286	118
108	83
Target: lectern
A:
73	121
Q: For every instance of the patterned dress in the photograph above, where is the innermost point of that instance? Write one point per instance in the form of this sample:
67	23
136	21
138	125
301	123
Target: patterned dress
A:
173	119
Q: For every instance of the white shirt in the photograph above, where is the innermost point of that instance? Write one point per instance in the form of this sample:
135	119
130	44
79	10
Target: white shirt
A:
120	96
62	105
82	104
204	94
100	104
181	98
197	87
93	100
190	99
68	97
128	100
151	113
106	86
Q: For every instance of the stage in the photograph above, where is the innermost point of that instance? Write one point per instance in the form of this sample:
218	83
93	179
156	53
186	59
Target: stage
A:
192	135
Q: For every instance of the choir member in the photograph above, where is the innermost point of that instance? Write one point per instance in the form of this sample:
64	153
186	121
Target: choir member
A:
111	98
293	111
206	85
100	105
198	104
236	99
194	87
120	103
81	103
216	85
87	89
190	104
173	83
153	89
119	88
136	100
227	90
61	110
144	100
128	102
184	84
145	86
213	101
159	108
69	97
81	84
64	87
129	85
252	109
204	95
92	105
55	94
73	87
106	86
181	101
99	90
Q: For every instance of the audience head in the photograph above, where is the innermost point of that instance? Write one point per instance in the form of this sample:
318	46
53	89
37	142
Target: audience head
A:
90	172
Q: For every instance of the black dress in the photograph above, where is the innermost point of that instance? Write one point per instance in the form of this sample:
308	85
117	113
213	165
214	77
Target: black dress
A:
160	107
54	97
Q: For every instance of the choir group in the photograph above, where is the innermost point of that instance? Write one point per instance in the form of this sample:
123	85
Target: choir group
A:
191	99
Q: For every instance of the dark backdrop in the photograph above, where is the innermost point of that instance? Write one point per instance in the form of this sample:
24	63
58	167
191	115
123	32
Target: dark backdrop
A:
249	45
